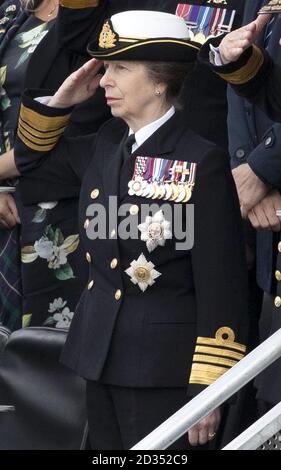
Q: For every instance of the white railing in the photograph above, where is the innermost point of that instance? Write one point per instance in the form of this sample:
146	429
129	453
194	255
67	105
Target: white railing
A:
214	395
5	408
259	432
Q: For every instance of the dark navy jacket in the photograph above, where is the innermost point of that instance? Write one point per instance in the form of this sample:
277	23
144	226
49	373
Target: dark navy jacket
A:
146	339
255	139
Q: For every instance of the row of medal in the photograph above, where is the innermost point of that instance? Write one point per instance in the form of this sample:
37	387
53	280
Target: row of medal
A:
159	178
205	22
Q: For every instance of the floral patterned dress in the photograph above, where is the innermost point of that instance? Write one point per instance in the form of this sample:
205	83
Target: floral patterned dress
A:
14	62
42	271
52	263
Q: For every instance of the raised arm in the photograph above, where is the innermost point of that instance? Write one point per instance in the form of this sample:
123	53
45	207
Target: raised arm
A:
53	165
248	69
234	44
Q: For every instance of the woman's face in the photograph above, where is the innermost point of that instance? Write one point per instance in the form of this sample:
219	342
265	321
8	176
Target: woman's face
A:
131	94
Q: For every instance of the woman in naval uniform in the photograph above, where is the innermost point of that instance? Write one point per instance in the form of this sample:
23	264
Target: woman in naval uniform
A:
80	20
160	319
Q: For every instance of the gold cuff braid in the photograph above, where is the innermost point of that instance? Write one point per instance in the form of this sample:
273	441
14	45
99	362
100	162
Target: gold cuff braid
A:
79	4
39	132
215	356
248	71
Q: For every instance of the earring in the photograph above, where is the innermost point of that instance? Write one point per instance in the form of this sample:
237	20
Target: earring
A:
158	93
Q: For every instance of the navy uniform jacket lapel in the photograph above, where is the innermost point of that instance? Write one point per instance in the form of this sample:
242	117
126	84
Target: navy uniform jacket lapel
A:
273	45
161	143
112	160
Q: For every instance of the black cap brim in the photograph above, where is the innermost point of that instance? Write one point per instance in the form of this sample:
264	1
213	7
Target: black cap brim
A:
157	49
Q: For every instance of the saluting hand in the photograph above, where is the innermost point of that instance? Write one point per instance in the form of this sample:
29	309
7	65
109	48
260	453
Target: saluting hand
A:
79	86
235	43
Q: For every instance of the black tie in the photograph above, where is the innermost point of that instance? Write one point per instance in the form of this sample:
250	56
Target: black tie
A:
127	147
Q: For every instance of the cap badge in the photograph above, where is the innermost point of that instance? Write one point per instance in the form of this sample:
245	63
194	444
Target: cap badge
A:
107	38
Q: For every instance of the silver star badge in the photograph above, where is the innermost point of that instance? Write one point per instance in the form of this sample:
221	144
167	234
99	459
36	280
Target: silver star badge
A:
155	231
142	272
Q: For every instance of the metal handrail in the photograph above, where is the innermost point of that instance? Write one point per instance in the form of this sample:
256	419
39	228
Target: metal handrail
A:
259	432
214	395
5	408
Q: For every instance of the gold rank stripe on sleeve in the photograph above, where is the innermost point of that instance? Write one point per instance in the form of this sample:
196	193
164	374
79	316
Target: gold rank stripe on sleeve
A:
205	374
39	132
79	4
42	123
214	356
217	352
248	71
44	147
221	361
41	141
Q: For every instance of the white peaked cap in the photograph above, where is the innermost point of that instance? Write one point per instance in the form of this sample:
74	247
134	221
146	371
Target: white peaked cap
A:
149	24
145	35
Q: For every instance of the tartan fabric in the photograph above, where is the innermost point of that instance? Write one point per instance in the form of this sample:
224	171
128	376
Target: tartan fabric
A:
10	279
12	17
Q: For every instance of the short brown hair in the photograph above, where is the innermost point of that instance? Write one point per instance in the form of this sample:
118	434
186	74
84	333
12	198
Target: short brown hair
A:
173	74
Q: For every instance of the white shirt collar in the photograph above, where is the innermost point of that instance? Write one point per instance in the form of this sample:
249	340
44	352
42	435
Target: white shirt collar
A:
145	132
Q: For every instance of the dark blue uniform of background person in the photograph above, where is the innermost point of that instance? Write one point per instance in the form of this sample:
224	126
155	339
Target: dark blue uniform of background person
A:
248	143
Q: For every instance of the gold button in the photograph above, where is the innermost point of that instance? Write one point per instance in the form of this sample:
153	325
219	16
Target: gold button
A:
118	294
277	302
113	233
90	285
88	257
114	263
86	224
278	275
279	247
95	193
134	210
